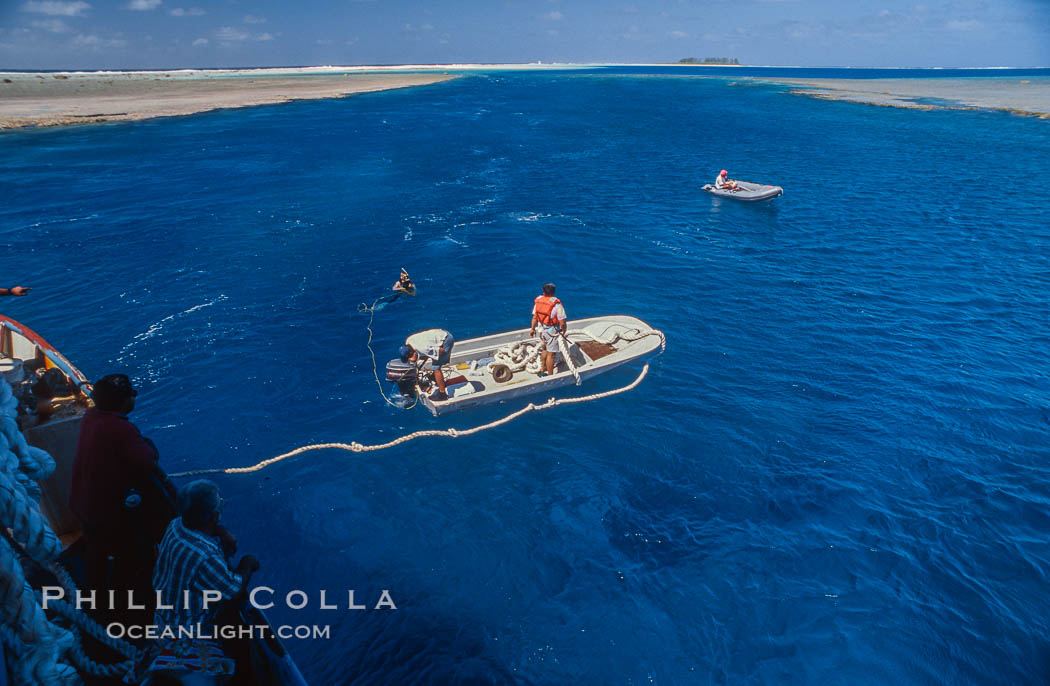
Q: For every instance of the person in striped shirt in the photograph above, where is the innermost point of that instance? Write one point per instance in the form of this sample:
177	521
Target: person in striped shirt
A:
193	558
193	563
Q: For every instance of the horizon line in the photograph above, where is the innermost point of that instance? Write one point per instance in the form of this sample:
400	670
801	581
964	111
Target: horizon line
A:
516	65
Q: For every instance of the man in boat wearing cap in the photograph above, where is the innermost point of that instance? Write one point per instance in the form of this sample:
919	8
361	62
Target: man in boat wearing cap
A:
723	182
429	350
549	314
122	496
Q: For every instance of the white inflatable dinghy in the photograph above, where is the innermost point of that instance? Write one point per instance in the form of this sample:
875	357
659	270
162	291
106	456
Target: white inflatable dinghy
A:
747	191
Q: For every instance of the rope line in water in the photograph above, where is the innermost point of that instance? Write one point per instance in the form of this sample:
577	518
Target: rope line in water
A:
449	433
371	310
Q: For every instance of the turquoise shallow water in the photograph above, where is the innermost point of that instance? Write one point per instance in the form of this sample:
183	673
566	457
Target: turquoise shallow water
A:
837	473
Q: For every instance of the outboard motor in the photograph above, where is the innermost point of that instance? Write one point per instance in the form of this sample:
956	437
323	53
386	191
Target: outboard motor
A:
404	374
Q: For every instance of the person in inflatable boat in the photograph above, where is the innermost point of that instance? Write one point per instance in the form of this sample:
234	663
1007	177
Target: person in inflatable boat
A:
723	182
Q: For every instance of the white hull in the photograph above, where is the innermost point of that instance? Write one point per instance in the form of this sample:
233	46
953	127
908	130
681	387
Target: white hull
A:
631	339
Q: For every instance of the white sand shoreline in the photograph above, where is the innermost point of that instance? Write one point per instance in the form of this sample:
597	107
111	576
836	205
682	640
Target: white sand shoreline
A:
59	98
1029	96
44	99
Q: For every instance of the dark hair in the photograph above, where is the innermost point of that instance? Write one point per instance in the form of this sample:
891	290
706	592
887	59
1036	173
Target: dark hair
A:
112	391
548	289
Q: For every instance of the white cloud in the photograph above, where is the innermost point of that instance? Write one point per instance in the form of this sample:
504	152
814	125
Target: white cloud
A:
963	25
679	34
200	41
352	41
252	19
634	33
143	5
56	8
52	25
229	34
94	42
554	15
186	12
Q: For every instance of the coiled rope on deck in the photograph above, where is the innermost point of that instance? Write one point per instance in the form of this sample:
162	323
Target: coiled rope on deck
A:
39	650
447	433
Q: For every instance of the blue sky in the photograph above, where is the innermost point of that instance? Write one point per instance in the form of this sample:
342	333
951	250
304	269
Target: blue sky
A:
160	34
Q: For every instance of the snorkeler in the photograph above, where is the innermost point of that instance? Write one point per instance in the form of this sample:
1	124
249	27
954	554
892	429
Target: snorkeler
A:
404	284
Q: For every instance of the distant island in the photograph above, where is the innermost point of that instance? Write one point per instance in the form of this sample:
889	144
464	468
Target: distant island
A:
709	60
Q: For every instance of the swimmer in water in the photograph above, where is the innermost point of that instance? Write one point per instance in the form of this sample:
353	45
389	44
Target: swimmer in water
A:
404	284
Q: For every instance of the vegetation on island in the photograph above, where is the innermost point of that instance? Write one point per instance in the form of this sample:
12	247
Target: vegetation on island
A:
709	60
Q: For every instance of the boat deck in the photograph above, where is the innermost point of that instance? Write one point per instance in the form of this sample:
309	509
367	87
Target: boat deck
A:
596	345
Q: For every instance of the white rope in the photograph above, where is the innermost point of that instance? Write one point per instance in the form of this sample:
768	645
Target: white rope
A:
40	649
522	355
448	433
36	645
568	358
65	609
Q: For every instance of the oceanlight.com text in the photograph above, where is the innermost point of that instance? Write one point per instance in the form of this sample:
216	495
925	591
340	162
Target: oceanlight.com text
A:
155	632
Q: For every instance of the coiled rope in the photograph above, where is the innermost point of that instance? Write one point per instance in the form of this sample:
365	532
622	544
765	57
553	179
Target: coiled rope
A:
39	649
522	355
447	433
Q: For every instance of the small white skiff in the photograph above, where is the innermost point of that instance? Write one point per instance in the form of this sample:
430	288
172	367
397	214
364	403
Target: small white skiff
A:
595	345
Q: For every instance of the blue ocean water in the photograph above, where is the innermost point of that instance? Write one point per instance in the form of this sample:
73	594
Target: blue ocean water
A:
837	473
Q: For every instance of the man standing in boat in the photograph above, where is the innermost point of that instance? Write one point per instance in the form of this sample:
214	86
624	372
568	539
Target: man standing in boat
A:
549	314
121	494
429	350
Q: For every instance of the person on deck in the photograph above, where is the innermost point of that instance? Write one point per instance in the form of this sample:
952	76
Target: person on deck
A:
429	350
549	314
194	560
723	182
15	290
122	496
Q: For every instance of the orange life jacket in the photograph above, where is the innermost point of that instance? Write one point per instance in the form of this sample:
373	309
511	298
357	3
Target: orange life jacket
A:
545	310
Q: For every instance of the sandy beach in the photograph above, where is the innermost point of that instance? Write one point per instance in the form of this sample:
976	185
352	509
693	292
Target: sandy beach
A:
1021	96
63	98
